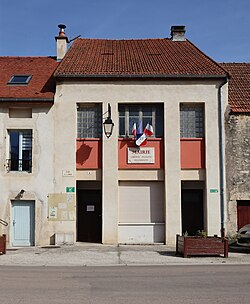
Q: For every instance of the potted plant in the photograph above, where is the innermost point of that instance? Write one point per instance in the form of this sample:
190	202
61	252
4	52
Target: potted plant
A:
201	245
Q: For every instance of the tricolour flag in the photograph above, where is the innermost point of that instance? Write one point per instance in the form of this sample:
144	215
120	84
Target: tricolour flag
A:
148	130
134	132
141	139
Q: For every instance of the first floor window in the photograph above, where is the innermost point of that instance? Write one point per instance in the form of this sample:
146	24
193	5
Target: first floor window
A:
141	115
89	121
191	121
20	148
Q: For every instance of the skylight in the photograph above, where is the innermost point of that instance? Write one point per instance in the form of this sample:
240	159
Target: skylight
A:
19	79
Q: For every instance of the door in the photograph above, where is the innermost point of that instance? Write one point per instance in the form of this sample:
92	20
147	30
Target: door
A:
23	223
192	211
243	213
89	216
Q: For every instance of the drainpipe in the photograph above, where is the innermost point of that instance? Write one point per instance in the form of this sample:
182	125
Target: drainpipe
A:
221	158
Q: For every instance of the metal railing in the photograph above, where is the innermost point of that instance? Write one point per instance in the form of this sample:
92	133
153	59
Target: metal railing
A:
19	165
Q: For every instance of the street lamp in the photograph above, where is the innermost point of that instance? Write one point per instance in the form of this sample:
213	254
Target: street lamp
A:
108	124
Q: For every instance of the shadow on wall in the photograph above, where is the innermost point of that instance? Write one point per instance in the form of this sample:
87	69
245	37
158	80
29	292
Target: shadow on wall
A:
83	153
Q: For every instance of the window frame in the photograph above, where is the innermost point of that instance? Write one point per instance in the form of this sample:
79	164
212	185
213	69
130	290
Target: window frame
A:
12	82
97	120
127	110
22	164
198	124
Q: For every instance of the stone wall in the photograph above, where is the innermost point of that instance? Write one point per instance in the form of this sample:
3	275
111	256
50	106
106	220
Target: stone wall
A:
237	165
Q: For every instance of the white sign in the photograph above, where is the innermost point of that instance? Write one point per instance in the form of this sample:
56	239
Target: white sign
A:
141	155
67	173
90	208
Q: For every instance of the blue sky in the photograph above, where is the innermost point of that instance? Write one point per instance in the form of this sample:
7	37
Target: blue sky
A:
220	28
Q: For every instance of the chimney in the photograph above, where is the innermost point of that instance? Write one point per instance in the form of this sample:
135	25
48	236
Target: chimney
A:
178	33
61	43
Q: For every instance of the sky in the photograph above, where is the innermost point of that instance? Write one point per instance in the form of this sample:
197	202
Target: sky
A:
220	28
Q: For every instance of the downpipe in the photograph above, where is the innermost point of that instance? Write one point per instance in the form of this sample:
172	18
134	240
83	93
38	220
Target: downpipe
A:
221	159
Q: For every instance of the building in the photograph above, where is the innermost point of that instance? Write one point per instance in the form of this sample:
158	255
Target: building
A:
26	147
237	126
89	187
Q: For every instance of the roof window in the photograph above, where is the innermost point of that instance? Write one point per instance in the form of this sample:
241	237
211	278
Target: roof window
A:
19	79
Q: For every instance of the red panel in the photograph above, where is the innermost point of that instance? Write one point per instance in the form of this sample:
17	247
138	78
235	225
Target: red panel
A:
192	153
243	213
123	145
88	153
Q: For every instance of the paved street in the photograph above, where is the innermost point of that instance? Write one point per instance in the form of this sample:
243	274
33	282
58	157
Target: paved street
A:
84	254
126	284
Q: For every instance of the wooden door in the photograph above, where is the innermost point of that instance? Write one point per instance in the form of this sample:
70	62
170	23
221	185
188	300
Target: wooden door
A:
243	213
89	216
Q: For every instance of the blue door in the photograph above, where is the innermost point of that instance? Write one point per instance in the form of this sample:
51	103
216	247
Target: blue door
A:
23	223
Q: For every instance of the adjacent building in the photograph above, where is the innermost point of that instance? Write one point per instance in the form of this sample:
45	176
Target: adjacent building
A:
237	126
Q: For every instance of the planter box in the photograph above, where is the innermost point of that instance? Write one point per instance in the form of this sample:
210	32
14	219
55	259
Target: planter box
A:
3	244
196	245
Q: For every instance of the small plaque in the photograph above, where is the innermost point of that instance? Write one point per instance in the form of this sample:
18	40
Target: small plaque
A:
70	189
214	190
90	208
67	173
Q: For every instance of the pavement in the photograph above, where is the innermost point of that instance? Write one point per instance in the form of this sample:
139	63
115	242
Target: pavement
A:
85	254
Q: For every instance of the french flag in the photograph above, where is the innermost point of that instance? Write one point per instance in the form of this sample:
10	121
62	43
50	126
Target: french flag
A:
141	138
148	130
134	131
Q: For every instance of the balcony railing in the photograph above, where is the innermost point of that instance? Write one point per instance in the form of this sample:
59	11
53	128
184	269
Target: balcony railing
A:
19	165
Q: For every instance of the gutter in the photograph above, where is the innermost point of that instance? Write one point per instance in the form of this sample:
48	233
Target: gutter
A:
7	99
221	159
129	76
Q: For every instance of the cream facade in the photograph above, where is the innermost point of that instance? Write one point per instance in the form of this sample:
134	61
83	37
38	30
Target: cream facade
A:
131	196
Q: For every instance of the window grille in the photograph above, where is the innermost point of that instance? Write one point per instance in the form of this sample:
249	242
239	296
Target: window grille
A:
191	121
140	114
89	121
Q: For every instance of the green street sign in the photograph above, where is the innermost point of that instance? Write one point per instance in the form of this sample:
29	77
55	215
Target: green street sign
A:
214	190
70	189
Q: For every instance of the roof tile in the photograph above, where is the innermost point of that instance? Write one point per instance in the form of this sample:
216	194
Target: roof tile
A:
239	86
143	57
41	85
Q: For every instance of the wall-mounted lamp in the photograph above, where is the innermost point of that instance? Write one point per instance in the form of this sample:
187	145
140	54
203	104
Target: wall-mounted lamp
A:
108	124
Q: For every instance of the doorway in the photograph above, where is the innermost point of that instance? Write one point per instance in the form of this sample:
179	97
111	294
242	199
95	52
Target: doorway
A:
243	213
89	215
23	223
192	211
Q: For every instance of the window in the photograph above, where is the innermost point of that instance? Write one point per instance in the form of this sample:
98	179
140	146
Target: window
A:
89	121
191	121
20	79
20	147
140	114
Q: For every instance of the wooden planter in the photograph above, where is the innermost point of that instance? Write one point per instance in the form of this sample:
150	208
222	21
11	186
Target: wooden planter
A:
197	245
3	244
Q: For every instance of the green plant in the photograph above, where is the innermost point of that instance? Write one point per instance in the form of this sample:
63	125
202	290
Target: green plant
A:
202	233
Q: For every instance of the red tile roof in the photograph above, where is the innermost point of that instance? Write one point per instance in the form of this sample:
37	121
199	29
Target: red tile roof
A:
41	85
136	58
239	86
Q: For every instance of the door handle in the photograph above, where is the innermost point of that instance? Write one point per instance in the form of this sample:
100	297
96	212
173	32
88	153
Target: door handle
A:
13	222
